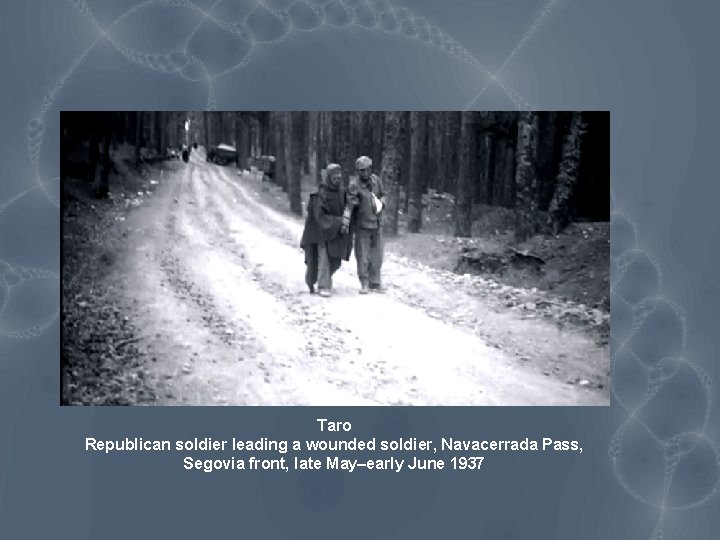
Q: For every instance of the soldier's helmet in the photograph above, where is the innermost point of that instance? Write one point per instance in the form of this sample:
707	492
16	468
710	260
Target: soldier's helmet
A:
363	162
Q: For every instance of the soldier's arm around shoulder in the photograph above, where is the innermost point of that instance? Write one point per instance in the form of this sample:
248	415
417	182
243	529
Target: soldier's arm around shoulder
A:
351	201
352	192
353	188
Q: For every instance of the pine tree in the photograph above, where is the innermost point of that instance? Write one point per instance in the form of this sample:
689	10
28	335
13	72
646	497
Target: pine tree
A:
559	209
103	188
138	136
313	127
297	152
526	203
464	188
418	168
206	129
280	158
341	127
390	170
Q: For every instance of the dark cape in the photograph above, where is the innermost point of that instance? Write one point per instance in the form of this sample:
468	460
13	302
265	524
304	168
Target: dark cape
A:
323	223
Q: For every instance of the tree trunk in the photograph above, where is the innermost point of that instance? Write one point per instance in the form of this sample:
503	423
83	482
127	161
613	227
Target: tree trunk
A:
257	138
474	163
287	143
129	125
104	186
152	142
161	134
526	207
313	124
485	149
510	184
265	134
245	142
451	173
549	155
390	170
341	135
328	146
322	144
221	127
464	189
273	142
93	148
418	168
356	148
120	128
444	151
405	159
433	151
377	127
238	140
304	143
254	137
489	168
366	139
277	140
64	148
206	126
252	134
280	158
559	209
297	151
113	119
499	171
270	136
180	127
138	134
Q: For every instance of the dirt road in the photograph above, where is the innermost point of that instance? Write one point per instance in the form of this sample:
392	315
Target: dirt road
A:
215	282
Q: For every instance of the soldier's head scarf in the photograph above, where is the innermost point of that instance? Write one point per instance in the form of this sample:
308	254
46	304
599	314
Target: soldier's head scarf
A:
331	168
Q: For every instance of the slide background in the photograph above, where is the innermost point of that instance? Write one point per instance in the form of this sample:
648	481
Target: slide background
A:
649	62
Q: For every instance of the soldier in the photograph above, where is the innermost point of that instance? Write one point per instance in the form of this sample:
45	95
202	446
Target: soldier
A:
366	200
323	239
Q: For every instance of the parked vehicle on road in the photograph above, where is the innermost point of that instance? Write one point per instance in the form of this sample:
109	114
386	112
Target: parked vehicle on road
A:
222	154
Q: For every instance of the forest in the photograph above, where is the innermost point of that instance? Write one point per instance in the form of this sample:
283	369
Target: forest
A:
549	168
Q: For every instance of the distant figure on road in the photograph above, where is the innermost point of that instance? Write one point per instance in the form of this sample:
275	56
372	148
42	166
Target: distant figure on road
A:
325	244
185	154
366	201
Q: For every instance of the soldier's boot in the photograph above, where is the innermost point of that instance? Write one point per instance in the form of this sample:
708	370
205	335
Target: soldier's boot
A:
324	292
364	288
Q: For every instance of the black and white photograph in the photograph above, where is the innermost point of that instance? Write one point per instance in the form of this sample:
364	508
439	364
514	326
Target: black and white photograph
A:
335	258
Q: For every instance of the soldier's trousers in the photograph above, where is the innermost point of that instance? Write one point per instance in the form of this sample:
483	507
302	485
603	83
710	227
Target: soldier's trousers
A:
369	255
320	266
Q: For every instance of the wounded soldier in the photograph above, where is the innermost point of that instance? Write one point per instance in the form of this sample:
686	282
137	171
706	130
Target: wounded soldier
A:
366	200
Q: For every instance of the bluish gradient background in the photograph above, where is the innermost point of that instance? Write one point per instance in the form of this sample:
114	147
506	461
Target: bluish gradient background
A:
649	62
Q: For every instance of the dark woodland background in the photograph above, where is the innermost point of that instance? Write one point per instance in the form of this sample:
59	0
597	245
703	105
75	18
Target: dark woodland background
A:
548	168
